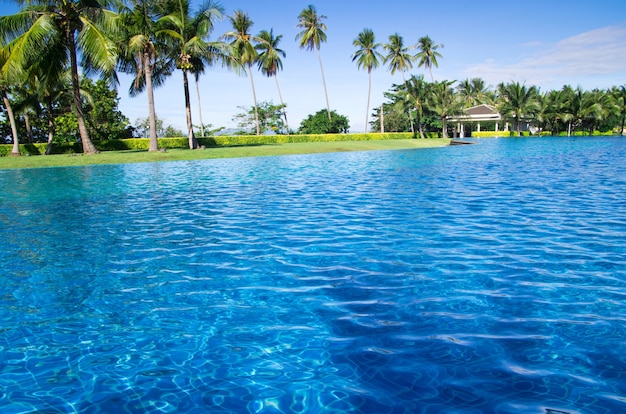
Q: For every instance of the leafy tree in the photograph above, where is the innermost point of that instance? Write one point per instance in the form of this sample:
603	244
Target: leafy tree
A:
186	35
270	118
243	50
142	128
322	123
367	56
397	55
428	54
311	37
269	61
518	103
104	120
73	25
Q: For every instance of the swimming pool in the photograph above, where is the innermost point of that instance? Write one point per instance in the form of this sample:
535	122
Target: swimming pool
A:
481	278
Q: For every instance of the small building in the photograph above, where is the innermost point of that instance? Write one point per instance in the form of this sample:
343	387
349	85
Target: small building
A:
477	114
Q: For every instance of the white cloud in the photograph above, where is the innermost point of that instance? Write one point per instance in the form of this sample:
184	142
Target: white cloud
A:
595	56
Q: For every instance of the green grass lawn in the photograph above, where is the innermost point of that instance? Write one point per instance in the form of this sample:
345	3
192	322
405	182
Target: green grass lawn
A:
124	157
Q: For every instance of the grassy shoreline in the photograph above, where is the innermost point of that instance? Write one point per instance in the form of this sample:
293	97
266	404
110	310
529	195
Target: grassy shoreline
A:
139	156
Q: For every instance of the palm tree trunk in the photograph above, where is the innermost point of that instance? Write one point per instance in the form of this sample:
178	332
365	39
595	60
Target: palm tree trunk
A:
88	147
444	127
369	91
29	131
280	96
420	127
193	143
50	125
256	111
319	57
199	107
147	68
15	151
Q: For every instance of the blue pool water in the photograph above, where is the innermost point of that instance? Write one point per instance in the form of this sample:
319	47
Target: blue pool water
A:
487	278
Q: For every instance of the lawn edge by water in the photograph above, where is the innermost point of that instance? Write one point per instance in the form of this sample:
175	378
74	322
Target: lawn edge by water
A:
127	157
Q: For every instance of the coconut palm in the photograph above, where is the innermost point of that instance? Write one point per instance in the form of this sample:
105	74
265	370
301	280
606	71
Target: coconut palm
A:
397	55
312	36
473	92
269	61
444	103
416	93
518	102
428	54
77	26
187	36
619	99
367	56
244	51
143	55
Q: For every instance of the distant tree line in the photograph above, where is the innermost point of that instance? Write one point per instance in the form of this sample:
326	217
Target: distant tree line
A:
417	105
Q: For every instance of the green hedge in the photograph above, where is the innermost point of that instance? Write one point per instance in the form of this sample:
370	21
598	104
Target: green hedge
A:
216	141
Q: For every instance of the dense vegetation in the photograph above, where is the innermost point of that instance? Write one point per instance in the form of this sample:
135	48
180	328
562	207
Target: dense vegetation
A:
420	105
45	99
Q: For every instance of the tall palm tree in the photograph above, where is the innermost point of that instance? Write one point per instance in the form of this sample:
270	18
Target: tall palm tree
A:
312	36
518	102
445	103
78	26
397	55
269	61
143	55
187	36
244	50
367	56
428	54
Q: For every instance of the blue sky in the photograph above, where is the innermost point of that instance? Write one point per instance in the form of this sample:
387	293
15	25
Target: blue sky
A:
546	43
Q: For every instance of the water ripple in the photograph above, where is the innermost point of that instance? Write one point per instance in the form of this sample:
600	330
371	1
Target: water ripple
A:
488	278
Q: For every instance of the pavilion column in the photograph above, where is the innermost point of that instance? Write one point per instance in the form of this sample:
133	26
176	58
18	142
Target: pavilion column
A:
478	126
497	127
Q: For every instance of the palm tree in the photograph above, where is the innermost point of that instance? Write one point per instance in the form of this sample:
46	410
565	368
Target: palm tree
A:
619	98
416	94
76	26
551	109
445	103
367	56
312	36
473	92
143	55
186	36
244	50
269	61
518	102
428	54
397	55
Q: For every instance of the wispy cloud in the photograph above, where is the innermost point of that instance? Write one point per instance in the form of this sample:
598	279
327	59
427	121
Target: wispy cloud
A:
595	54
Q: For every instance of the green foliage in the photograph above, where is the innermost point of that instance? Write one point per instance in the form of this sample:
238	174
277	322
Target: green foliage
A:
320	124
271	118
104	119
